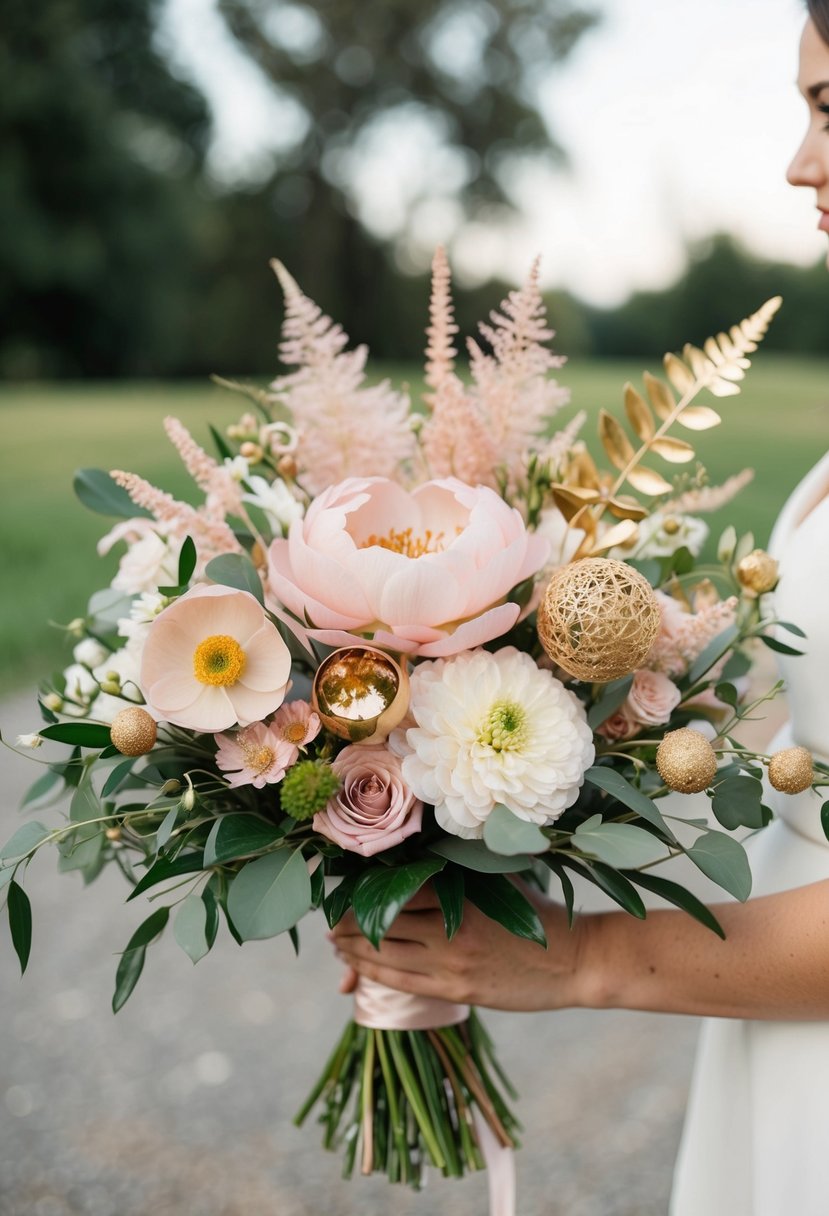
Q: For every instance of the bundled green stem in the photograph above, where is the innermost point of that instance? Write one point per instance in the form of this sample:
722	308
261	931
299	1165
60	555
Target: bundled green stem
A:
406	1099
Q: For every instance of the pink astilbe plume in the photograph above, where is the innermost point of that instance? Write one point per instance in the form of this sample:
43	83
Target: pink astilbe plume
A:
561	444
222	492
684	635
512	386
440	353
709	498
211	537
346	429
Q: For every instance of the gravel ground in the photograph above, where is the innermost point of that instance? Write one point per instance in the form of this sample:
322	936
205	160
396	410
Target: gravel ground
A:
182	1104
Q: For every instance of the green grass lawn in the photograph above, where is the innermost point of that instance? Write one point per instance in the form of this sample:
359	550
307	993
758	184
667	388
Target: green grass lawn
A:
779	426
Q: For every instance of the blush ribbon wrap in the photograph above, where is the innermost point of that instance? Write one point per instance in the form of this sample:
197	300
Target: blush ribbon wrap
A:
382	1008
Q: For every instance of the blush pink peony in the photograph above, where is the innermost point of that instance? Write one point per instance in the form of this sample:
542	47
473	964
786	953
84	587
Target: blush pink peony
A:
374	809
424	573
212	660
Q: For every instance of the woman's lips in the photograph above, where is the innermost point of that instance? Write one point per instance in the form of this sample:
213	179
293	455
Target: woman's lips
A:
823	224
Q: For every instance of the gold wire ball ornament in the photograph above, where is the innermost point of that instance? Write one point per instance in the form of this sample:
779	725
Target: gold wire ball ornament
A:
133	731
791	770
686	761
758	573
360	694
598	619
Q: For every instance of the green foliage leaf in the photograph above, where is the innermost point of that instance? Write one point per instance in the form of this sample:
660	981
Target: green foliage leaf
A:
501	901
190	927
131	963
239	835
510	836
727	693
40	788
118	774
567	891
622	845
767	640
474	855
790	628
337	902
24	840
678	896
164	868
20	922
167	826
738	802
84	734
186	561
450	888
611	882
211	904
612	696
236	570
612	782
713	652
270	894
81	849
722	859
382	892
98	492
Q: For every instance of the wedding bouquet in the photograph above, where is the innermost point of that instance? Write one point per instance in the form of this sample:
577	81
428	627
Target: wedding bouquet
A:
400	645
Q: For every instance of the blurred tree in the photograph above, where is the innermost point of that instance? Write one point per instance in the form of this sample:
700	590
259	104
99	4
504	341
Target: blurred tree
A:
99	149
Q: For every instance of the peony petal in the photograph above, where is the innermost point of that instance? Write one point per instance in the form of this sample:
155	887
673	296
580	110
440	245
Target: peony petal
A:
298	600
317	574
424	592
470	634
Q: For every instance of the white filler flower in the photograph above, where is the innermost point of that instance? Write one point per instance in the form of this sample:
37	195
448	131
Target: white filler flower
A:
489	729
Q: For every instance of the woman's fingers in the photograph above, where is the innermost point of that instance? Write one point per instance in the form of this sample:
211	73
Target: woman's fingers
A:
402	956
424	927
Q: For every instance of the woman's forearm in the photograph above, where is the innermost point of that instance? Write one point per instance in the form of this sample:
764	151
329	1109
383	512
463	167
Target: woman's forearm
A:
774	963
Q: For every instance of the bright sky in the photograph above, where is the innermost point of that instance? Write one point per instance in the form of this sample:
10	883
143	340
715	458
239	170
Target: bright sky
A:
679	118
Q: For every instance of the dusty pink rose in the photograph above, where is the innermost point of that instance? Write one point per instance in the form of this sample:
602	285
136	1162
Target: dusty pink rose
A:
424	573
618	726
373	810
652	698
212	660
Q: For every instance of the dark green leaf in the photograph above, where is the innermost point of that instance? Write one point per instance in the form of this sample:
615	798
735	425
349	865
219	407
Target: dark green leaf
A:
40	788
20	922
24	840
211	904
824	819
727	693
767	640
81	849
501	901
567	891
119	772
221	445
649	568
713	652
293	934
612	696
337	902
101	494
677	895
131	963
270	894
236	570
474	855
738	802
510	836
613	783
186	561
84	734
167	826
317	886
239	835
164	868
611	882
382	892
449	887
724	861
790	628
190	927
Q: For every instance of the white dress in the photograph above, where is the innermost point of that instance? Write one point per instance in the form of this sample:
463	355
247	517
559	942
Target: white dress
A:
756	1137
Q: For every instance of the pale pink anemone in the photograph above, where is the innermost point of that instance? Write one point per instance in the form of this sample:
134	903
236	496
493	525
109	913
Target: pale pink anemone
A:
256	755
423	573
296	724
212	660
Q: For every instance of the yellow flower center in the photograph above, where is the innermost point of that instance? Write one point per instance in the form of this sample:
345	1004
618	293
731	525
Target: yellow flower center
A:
218	660
257	758
294	733
505	727
406	543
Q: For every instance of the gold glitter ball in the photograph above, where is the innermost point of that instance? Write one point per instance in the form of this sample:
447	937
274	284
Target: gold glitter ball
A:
686	761
133	731
598	619
360	694
791	770
758	573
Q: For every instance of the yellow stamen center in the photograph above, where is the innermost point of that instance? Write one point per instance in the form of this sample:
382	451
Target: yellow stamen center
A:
505	727
257	758
294	733
406	543
218	660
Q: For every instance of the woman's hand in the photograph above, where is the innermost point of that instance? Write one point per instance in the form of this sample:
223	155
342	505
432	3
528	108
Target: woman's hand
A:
484	964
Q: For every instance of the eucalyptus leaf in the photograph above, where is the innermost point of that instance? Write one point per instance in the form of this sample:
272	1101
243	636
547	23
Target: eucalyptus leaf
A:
713	652
24	840
767	640
118	774
167	826
790	628
84	734
98	492
613	783
622	845
679	896
450	889
614	884
211	904
501	901
236	570
164	868
20	922
722	859
738	802
269	895
40	788
190	927
567	891
381	894
510	836
474	855
82	848
238	835
131	962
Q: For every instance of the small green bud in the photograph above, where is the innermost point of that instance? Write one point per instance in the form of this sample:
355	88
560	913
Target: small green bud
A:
307	787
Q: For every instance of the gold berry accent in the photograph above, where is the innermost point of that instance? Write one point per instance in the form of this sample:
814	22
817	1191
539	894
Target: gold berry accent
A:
758	573
598	619
360	694
686	761
218	660
791	770
133	731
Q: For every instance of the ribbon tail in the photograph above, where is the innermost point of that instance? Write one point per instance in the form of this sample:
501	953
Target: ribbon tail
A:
500	1168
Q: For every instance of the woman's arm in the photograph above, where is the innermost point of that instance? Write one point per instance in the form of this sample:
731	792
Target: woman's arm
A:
773	964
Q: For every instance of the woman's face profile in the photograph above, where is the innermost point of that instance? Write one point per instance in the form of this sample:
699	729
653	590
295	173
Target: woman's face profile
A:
810	166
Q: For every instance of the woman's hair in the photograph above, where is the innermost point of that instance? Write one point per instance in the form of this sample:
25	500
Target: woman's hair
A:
819	12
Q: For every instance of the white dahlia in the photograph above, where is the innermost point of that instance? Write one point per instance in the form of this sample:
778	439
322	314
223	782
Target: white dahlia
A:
485	729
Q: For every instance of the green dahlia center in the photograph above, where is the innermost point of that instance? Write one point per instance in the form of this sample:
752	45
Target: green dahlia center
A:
505	727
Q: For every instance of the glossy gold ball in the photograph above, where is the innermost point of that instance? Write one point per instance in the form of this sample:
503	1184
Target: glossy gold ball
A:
598	619
360	694
791	770
133	731
758	573
686	761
